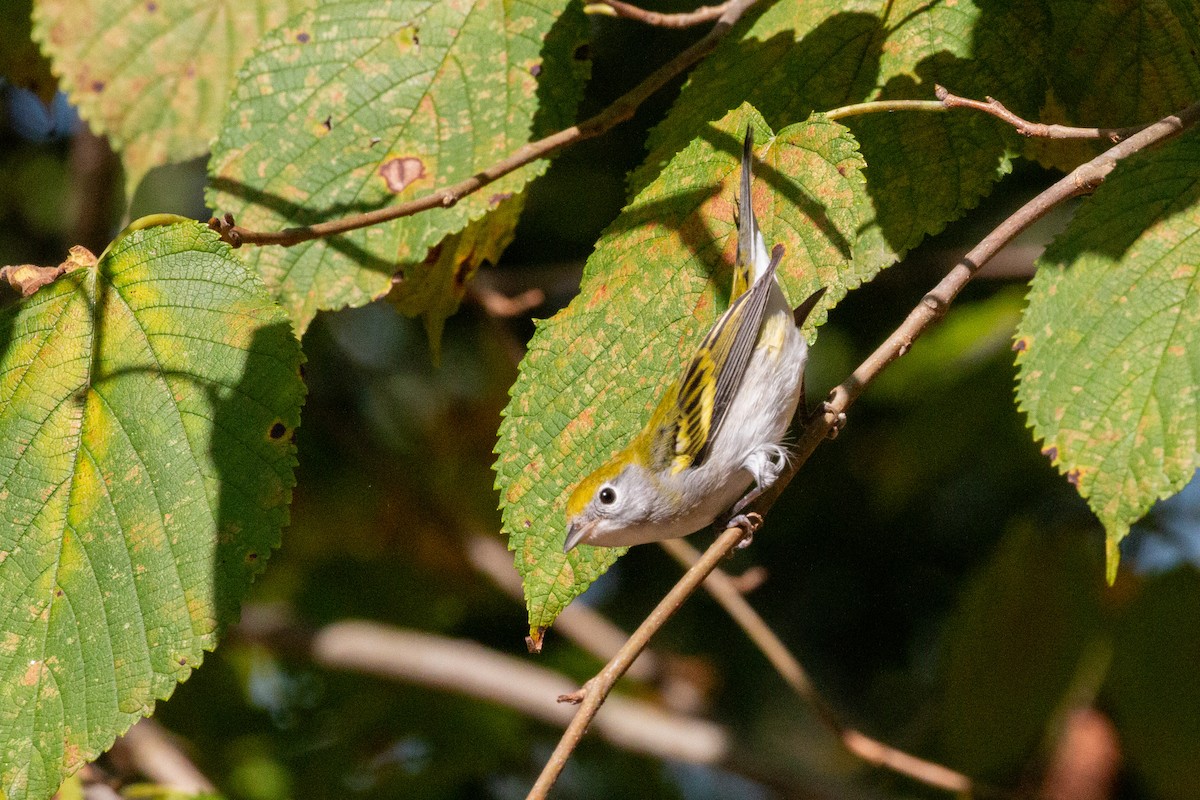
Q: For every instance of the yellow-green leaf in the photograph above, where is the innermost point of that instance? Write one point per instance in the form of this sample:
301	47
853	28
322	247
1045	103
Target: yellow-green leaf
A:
154	75
792	59
1108	350
363	104
147	405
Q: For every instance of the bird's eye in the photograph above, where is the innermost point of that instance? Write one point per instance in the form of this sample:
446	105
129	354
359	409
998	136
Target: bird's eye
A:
607	495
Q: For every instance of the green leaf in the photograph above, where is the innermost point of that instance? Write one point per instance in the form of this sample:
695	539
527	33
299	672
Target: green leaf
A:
659	278
1152	689
363	104
1139	63
924	168
1108	352
147	406
153	75
1019	644
1112	64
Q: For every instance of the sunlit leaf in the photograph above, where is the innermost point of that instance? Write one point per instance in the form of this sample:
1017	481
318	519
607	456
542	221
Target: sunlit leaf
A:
363	104
147	405
657	281
153	75
1108	351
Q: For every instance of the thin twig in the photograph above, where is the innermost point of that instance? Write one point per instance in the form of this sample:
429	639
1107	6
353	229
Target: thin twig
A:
596	690
1024	127
883	106
947	100
621	109
583	625
1082	180
684	19
725	591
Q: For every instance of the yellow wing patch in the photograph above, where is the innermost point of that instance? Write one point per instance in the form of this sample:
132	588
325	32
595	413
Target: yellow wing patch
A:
697	397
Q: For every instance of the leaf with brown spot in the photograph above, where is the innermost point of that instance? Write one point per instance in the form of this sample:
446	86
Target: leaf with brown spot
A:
793	59
1111	372
422	95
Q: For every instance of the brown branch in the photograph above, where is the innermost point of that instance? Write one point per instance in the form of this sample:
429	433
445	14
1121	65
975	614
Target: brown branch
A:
947	100
584	626
1082	180
685	19
622	109
1024	127
725	591
152	751
594	692
469	668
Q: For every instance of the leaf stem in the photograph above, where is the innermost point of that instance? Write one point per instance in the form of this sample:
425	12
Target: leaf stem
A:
621	110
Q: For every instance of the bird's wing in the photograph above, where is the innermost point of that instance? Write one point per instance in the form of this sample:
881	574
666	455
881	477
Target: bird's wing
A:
711	379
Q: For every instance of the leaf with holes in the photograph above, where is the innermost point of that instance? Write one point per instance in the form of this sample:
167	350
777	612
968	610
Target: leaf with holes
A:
363	104
657	281
147	404
1108	350
153	75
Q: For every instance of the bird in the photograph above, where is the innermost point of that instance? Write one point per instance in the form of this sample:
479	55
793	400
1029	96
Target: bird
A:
717	433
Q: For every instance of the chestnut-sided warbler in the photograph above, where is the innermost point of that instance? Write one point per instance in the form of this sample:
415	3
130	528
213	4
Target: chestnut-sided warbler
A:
720	426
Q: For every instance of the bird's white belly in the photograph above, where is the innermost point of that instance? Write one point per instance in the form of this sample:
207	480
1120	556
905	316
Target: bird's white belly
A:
758	418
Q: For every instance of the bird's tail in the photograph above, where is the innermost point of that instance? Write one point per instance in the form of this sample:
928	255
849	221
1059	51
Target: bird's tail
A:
752	255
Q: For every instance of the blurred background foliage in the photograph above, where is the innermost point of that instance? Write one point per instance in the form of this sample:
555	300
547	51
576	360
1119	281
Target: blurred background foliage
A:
937	577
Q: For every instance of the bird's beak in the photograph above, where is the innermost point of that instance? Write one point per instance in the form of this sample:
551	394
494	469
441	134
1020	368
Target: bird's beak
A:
576	532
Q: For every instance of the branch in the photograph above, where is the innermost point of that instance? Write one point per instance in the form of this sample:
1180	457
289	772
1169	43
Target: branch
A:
946	100
1024	127
469	668
585	627
622	109
686	19
596	690
1082	180
152	751
726	592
